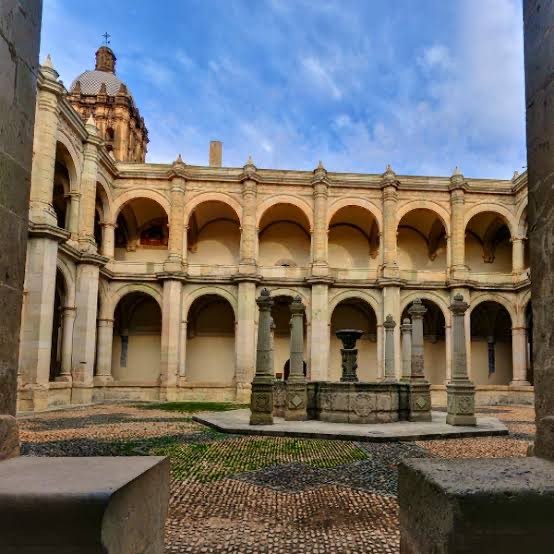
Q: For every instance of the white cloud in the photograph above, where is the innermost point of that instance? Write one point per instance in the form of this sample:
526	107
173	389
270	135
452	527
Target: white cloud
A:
320	76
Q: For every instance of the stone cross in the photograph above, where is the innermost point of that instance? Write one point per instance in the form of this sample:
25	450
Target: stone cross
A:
261	399
406	330
297	392
389	326
460	390
417	311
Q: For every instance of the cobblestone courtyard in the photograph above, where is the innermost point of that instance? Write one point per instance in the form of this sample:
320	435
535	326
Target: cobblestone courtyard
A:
263	495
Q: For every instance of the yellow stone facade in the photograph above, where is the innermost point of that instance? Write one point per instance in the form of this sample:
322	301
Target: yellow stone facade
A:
141	278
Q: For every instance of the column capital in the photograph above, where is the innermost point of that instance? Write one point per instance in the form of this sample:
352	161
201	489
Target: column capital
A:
389	179
417	310
264	301
297	306
406	326
458	306
389	322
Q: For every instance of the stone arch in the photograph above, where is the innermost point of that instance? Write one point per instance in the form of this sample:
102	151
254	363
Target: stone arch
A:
521	220
358	295
73	159
494	297
359	202
104	193
431	296
189	299
135	194
303	206
498	209
291	293
195	201
150	290
69	281
440	211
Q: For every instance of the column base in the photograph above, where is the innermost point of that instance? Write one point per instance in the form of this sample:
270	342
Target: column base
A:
65	378
82	393
419	401
102	380
461	403
296	401
261	402
522	383
32	398
9	437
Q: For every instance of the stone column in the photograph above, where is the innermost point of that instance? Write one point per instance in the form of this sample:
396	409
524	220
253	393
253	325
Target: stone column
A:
67	343
390	199
84	333
406	330
417	311
296	386
419	388
320	184
261	399
171	334
518	259
245	341
460	390
538	20
108	240
104	352
88	188
320	339
458	185
74	208
391	305
249	231
183	353
174	262
19	44
519	357
45	141
390	373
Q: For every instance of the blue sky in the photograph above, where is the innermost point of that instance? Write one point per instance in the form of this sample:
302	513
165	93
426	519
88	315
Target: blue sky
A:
422	85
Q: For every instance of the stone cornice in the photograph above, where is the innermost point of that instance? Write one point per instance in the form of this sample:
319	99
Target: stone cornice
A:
80	257
44	230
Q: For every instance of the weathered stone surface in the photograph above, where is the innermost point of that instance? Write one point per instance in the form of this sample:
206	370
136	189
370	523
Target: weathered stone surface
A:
19	46
539	86
86	505
468	506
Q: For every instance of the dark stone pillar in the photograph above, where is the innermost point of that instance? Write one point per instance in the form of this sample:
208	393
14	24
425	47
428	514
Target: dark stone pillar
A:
19	47
538	16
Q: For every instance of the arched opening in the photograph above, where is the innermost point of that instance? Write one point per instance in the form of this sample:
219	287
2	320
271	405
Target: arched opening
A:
141	231
488	248
284	237
434	341
137	339
529	332
213	234
491	344
210	352
421	240
281	314
353	238
354	313
63	170
60	296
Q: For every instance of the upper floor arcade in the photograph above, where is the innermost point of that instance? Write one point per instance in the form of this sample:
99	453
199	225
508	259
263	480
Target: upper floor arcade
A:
220	223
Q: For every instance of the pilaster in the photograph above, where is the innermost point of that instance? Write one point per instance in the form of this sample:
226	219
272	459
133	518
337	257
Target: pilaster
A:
389	185
320	340
104	352
174	262
69	313
458	185
249	231
245	341
171	334
320	184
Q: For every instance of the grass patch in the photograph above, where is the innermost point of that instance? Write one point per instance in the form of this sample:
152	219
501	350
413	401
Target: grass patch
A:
191	407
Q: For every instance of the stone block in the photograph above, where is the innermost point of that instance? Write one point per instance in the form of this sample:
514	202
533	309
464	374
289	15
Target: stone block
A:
86	505
469	506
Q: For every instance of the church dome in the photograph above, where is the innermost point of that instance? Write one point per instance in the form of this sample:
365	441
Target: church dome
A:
90	82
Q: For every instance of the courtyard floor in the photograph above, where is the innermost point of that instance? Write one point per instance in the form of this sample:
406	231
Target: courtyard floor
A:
242	494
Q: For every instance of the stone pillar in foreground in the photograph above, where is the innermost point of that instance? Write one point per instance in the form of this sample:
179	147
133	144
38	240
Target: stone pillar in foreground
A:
460	390
406	330
261	398
19	44
389	326
297	395
538	21
420	389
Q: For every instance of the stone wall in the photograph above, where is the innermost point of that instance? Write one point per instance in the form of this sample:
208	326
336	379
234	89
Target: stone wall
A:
19	46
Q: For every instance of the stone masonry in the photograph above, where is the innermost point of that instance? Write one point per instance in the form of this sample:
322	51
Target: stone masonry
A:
19	45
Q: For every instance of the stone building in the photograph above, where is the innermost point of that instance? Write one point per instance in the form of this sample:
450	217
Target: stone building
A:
141	278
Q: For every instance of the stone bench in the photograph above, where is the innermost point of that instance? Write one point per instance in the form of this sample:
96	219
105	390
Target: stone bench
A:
85	505
468	506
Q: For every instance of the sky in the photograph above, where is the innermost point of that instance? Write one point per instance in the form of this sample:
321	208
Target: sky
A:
423	85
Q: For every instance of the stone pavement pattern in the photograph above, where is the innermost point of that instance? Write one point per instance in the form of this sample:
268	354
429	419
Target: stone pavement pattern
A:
264	494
